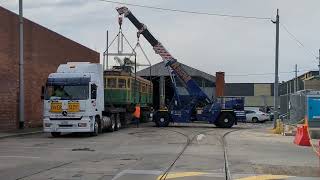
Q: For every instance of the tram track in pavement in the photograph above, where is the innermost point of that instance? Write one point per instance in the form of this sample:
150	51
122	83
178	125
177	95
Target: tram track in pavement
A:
221	139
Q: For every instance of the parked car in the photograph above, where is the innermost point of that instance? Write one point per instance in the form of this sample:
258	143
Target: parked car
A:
255	115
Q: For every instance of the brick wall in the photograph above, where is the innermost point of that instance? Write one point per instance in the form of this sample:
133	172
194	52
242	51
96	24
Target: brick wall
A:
44	50
220	84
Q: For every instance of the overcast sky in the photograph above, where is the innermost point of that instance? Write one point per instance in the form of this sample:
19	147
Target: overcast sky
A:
209	43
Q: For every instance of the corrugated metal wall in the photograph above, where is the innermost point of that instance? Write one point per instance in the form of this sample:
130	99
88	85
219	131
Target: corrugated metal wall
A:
262	90
256	94
239	89
313	84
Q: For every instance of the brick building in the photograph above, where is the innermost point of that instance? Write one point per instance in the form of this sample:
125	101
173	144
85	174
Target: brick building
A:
44	50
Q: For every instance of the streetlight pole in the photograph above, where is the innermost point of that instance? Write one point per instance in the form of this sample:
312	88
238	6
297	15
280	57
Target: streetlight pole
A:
21	62
296	78
276	77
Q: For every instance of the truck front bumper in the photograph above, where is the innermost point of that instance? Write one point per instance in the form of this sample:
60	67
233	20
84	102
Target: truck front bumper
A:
68	126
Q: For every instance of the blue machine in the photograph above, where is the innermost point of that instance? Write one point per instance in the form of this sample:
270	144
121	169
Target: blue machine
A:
313	110
197	106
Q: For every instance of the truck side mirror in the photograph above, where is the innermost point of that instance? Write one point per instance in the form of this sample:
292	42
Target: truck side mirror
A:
42	93
93	91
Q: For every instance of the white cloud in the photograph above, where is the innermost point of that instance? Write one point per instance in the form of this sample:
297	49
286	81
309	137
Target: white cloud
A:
208	43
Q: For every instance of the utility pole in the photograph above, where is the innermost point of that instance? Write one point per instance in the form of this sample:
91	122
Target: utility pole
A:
296	78
107	57
276	77
21	76
319	63
135	79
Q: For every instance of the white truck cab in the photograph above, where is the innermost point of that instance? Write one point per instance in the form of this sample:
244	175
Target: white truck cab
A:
74	100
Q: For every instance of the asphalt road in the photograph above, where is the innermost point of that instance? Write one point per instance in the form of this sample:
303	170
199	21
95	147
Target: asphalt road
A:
190	152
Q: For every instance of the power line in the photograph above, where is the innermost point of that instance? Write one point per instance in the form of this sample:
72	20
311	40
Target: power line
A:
221	15
272	73
187	11
297	40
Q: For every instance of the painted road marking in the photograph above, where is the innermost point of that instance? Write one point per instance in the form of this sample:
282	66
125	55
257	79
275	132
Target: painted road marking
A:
146	172
182	174
200	137
266	177
171	175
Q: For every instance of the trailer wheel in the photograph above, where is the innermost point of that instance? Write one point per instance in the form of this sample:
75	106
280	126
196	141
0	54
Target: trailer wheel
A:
162	119
55	134
118	123
123	120
226	120
112	123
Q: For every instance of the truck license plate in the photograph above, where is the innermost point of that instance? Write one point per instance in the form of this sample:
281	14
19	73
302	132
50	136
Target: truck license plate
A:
56	107
73	107
64	123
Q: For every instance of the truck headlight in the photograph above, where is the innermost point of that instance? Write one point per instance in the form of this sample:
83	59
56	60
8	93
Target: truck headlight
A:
82	124
47	124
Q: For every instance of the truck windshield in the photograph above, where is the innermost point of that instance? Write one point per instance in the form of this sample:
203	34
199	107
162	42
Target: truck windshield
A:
80	92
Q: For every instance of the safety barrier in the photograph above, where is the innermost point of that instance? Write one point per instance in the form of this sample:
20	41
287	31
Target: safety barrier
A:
312	145
279	127
302	137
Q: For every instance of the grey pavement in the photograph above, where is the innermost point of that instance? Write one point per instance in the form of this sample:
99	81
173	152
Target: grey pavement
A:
20	132
147	152
258	152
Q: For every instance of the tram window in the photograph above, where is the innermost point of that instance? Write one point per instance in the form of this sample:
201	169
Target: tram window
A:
148	88
143	88
112	83
122	83
129	83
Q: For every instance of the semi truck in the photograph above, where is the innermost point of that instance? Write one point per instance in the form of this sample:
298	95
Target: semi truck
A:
77	99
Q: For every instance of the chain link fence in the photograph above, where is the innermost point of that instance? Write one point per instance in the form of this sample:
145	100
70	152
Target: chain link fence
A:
293	106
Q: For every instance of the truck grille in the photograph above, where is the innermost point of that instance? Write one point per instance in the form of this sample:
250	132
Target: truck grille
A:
78	118
67	125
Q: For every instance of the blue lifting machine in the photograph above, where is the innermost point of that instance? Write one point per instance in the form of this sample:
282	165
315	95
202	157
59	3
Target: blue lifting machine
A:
224	112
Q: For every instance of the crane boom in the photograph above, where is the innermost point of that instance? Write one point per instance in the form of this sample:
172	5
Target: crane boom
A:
196	106
192	87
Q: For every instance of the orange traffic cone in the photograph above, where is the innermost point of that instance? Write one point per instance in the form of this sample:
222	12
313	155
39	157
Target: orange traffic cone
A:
302	137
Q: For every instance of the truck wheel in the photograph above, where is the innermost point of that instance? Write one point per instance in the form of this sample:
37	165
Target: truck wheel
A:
118	123
99	124
96	129
162	119
55	134
226	120
112	123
